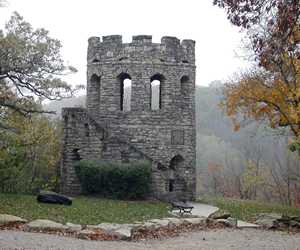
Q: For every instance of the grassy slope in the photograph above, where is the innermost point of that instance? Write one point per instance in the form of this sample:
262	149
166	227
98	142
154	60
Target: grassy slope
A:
248	210
85	210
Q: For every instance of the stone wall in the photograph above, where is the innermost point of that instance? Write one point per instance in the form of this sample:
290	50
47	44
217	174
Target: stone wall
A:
141	133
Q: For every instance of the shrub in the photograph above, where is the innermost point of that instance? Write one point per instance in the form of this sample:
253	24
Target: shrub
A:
115	180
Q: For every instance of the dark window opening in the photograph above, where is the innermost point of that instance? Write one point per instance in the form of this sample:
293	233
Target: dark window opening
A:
95	60
171	185
87	130
156	82
184	85
95	88
175	180
185	61
125	91
76	156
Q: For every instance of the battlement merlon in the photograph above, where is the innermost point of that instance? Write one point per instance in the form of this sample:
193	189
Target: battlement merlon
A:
112	49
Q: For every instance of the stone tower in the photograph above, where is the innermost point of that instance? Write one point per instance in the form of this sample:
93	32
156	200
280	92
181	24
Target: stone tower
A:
111	128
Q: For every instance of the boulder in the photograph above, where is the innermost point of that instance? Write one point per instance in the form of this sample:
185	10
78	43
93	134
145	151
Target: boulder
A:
160	222
294	223
121	231
175	221
124	232
53	198
229	222
244	224
289	221
296	218
275	221
45	225
220	214
86	234
6	219
73	227
268	220
148	226
196	221
105	227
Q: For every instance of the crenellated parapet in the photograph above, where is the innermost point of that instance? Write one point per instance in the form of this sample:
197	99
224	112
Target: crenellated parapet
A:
112	49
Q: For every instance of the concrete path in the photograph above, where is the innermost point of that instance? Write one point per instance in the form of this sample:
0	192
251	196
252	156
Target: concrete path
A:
203	209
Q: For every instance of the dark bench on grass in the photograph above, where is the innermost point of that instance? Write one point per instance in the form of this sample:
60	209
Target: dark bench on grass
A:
182	206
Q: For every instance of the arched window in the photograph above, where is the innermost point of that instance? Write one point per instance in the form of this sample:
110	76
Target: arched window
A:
95	89
184	88
176	161
125	91
175	181
156	82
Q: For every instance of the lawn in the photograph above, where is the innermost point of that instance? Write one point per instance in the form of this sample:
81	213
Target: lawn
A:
248	210
84	210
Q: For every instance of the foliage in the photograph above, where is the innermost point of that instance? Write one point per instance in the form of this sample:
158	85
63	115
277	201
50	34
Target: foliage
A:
30	67
275	174
117	180
272	91
252	180
248	210
257	96
84	210
294	146
30	157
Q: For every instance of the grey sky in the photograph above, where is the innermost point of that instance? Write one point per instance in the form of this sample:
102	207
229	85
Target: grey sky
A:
73	22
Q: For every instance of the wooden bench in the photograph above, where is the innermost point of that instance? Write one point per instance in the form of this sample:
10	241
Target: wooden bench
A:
182	206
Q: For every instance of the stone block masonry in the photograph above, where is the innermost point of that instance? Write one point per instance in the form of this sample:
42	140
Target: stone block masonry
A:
117	128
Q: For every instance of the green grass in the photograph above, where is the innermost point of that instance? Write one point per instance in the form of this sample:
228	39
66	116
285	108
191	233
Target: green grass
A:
248	210
84	210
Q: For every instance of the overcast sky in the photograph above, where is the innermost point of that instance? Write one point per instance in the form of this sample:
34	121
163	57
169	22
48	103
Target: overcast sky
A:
72	22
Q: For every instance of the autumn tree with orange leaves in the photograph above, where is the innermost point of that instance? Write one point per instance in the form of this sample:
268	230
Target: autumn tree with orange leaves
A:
271	91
